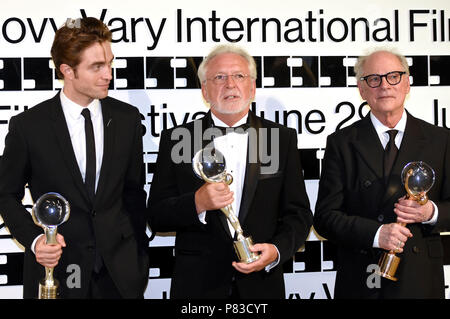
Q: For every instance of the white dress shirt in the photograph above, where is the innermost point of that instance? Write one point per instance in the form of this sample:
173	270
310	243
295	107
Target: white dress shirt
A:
381	130
233	146
75	124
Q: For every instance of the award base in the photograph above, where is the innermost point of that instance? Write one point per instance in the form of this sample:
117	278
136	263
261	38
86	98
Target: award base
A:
48	291
388	266
242	248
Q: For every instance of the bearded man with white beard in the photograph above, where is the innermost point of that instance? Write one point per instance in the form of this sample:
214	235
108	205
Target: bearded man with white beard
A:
267	194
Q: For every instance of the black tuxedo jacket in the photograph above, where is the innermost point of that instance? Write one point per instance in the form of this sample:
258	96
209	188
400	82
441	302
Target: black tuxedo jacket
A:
274	209
353	202
38	151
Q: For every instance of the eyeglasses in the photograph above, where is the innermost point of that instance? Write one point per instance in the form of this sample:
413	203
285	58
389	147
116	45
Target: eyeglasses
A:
222	78
374	80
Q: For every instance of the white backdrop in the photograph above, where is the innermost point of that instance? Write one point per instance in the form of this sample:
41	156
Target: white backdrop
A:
305	51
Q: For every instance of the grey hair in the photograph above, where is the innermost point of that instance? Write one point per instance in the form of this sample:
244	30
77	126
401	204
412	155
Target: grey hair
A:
222	49
359	66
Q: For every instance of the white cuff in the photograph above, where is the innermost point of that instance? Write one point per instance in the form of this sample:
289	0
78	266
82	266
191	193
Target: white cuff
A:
202	217
376	244
273	264
433	219
33	244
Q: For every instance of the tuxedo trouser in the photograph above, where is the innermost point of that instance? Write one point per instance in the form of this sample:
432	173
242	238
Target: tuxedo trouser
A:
102	286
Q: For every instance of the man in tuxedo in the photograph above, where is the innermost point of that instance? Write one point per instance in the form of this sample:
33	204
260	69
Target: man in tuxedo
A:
87	147
361	205
267	193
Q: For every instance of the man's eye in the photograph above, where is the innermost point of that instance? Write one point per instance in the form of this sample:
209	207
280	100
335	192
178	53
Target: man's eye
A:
393	76
219	77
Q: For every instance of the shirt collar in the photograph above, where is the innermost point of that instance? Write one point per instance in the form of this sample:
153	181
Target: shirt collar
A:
381	128
219	122
74	110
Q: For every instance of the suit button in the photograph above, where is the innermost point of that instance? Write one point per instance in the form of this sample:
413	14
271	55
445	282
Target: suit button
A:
416	249
380	218
367	184
93	213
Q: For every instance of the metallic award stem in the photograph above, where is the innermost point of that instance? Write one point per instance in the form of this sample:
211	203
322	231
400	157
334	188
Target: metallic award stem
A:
234	221
242	244
227	210
49	286
50	236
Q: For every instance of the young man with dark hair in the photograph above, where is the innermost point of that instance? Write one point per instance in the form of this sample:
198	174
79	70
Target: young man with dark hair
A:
99	171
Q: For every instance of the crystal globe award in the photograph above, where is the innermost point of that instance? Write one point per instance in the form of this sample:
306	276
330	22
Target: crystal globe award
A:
50	211
209	165
418	178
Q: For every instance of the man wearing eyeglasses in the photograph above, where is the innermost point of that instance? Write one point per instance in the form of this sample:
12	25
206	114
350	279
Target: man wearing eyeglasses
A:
270	200
361	205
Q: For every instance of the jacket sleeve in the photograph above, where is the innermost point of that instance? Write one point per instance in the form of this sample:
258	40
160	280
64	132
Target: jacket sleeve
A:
169	207
295	216
443	204
14	174
134	194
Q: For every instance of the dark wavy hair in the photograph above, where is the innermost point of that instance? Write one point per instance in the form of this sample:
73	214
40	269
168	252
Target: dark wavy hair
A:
74	37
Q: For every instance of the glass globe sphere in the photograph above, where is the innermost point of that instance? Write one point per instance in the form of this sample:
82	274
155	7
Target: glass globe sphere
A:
212	164
51	210
418	178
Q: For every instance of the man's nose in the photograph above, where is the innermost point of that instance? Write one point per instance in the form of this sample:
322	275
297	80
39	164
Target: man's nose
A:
107	74
230	82
384	83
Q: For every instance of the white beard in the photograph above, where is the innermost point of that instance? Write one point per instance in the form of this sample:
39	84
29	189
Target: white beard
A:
224	110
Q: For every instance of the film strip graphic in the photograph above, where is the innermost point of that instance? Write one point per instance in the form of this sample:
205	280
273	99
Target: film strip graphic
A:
132	73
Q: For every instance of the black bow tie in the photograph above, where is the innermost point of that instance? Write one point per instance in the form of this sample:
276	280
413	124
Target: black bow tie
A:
241	129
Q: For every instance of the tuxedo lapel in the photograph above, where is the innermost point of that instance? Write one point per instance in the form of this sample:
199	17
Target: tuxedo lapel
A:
413	143
199	132
252	170
108	144
368	145
65	144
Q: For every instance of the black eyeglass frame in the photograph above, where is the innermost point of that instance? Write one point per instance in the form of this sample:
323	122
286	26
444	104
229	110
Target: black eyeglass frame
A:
381	76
